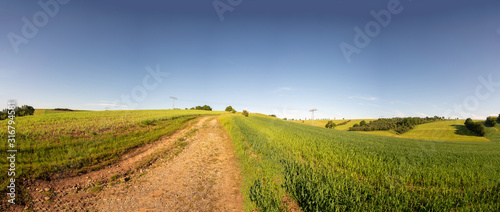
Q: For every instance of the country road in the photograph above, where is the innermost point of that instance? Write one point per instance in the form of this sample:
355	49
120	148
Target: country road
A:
194	169
203	177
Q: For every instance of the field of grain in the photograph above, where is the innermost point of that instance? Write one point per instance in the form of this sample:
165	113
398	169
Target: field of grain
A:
328	170
57	142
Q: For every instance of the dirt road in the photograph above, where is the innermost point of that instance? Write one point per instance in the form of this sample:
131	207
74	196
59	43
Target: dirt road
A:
203	177
194	169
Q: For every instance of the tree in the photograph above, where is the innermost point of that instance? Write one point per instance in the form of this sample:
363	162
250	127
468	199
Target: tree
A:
468	122
498	118
330	125
206	107
491	121
475	127
229	109
245	113
362	123
233	111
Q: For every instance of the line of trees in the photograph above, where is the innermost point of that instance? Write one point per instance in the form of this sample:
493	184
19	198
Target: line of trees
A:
204	107
24	110
344	123
475	127
400	125
331	125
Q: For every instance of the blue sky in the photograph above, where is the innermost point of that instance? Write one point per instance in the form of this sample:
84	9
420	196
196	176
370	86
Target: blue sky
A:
273	57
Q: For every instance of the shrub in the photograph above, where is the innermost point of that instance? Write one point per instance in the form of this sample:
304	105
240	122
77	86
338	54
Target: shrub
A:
475	127
330	125
491	121
245	113
229	109
233	111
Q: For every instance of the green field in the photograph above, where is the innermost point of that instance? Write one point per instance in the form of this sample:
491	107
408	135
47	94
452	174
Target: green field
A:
56	142
442	131
333	170
453	130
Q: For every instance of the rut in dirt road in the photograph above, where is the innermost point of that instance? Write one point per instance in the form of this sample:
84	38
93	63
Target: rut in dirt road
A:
203	177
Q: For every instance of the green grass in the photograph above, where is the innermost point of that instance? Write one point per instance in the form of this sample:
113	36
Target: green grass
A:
329	170
62	142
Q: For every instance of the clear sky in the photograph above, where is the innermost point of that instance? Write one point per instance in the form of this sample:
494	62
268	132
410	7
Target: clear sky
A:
273	57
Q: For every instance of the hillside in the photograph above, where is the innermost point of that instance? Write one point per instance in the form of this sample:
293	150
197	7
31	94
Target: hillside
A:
325	170
449	130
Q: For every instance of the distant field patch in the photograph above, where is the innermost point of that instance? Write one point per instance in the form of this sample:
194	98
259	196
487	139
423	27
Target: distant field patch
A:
442	131
322	123
453	130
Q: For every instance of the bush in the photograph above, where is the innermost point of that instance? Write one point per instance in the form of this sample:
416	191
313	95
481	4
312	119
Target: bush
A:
330	125
229	109
491	121
233	111
245	113
475	127
362	123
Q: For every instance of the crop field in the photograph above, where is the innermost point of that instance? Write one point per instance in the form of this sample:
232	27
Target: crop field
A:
453	130
56	142
333	170
437	131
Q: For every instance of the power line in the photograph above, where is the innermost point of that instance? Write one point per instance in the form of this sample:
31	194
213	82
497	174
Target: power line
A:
173	102
312	115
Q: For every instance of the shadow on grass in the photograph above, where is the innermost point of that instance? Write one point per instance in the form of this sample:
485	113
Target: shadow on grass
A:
462	130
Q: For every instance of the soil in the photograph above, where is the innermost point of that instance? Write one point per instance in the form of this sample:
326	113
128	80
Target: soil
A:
195	169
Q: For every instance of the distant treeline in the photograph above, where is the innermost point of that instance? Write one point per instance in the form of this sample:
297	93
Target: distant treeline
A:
332	125
204	107
24	110
400	125
344	123
63	109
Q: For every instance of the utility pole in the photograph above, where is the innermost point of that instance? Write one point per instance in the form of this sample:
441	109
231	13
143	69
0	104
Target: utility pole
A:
312	115
173	102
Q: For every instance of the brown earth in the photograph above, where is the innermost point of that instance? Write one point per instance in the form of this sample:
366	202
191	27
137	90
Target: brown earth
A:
194	169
